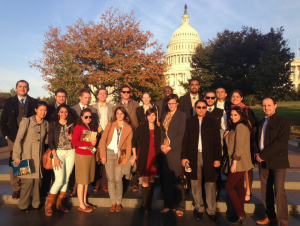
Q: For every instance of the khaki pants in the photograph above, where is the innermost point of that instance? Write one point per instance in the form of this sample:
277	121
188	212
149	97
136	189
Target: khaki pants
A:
14	181
29	185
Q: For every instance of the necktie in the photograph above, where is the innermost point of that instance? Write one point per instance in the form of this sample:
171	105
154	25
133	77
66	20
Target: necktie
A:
209	109
194	97
83	108
22	103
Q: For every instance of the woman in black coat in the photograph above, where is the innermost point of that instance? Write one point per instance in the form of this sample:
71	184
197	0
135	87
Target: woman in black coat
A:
141	111
172	132
146	140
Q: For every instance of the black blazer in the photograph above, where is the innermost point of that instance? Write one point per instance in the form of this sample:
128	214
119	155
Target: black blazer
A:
141	141
10	112
275	152
185	105
141	117
50	111
211	147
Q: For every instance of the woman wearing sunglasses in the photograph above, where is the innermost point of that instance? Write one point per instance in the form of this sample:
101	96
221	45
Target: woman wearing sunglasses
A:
85	161
115	151
172	132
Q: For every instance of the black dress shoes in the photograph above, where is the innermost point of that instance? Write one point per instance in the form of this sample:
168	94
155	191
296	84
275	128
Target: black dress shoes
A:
238	220
213	218
25	210
198	215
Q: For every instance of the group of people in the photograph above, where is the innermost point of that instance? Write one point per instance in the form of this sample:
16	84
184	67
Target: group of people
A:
174	138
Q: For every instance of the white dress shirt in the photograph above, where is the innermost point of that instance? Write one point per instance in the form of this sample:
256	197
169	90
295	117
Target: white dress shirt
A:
263	134
221	105
81	106
200	139
24	98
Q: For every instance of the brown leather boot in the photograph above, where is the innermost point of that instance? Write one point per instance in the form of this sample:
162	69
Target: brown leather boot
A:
59	202
50	201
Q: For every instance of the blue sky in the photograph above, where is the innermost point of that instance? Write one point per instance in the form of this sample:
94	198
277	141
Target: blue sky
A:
24	23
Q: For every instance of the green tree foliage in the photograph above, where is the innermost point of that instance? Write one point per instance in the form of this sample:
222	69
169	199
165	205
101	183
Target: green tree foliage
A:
256	63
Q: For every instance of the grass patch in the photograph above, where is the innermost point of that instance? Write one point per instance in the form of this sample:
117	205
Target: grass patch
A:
289	110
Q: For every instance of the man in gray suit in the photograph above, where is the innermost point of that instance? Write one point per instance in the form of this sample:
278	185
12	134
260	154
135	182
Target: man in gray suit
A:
105	112
85	98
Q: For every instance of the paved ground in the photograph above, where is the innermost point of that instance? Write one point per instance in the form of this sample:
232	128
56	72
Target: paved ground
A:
10	215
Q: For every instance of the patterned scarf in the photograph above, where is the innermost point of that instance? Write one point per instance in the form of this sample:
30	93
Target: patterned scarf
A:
167	121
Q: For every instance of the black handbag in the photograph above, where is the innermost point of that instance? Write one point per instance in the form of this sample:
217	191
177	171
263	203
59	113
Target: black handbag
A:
225	165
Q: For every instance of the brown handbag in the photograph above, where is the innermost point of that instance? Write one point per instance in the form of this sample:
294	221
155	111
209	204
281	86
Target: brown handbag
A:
47	160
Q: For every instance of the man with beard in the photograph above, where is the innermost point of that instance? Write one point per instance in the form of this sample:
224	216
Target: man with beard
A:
187	102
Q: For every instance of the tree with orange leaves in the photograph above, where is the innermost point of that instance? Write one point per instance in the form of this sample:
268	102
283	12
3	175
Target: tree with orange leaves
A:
110	53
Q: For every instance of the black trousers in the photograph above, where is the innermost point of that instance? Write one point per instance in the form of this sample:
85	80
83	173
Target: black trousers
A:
276	178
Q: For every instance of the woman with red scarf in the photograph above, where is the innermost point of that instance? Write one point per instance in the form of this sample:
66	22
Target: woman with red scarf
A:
236	100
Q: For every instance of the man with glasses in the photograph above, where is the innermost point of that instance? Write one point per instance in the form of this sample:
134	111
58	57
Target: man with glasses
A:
187	102
130	107
221	102
85	98
16	109
162	105
201	148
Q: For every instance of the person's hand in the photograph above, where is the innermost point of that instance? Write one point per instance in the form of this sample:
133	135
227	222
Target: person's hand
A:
258	158
93	142
132	160
158	123
233	168
70	136
183	161
226	133
165	149
17	160
103	161
57	163
124	161
217	164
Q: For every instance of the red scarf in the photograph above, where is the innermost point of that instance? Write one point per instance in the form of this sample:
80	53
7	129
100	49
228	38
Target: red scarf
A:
242	105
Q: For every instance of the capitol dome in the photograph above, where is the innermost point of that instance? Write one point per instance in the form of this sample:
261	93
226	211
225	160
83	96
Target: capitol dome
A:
180	49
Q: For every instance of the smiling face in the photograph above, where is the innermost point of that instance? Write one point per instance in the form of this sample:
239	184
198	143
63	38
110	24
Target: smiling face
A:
221	94
125	94
146	99
234	116
41	111
151	118
269	107
102	95
194	87
210	99
120	115
236	98
63	113
22	89
86	118
60	98
168	91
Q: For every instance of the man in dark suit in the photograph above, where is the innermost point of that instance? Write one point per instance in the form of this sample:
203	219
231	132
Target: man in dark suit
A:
60	98
130	107
272	154
187	102
14	111
222	103
201	148
162	105
85	98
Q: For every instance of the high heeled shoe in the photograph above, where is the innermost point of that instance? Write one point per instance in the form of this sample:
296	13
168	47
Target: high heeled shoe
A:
238	220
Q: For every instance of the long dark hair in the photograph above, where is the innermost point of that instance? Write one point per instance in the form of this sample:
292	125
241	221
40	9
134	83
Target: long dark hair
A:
126	115
70	118
243	120
79	120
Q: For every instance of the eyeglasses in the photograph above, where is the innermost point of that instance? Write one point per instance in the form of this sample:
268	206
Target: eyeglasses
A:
86	117
128	92
210	98
201	107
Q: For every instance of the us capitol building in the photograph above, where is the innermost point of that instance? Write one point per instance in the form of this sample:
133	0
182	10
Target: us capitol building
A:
180	50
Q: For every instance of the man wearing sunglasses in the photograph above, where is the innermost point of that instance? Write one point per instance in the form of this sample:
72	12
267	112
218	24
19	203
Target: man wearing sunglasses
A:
130	107
201	148
187	102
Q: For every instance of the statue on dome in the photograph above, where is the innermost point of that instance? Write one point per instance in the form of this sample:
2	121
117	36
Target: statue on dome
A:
185	9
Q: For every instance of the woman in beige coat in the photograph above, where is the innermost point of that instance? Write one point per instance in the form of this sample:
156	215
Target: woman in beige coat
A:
238	144
29	144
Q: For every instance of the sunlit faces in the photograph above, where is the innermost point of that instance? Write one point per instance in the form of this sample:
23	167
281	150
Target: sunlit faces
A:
221	94
210	98
86	118
60	98
120	115
234	116
63	113
85	99
172	104
236	98
201	109
151	118
194	87
269	107
22	89
146	99
168	91
125	93
102	95
41	111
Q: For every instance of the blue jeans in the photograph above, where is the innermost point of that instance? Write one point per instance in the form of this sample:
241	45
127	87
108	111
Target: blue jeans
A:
62	174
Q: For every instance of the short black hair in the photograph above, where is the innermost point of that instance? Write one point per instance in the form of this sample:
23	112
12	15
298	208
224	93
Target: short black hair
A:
168	87
60	90
22	81
85	90
173	97
210	91
200	101
125	86
194	79
41	103
151	110
274	101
